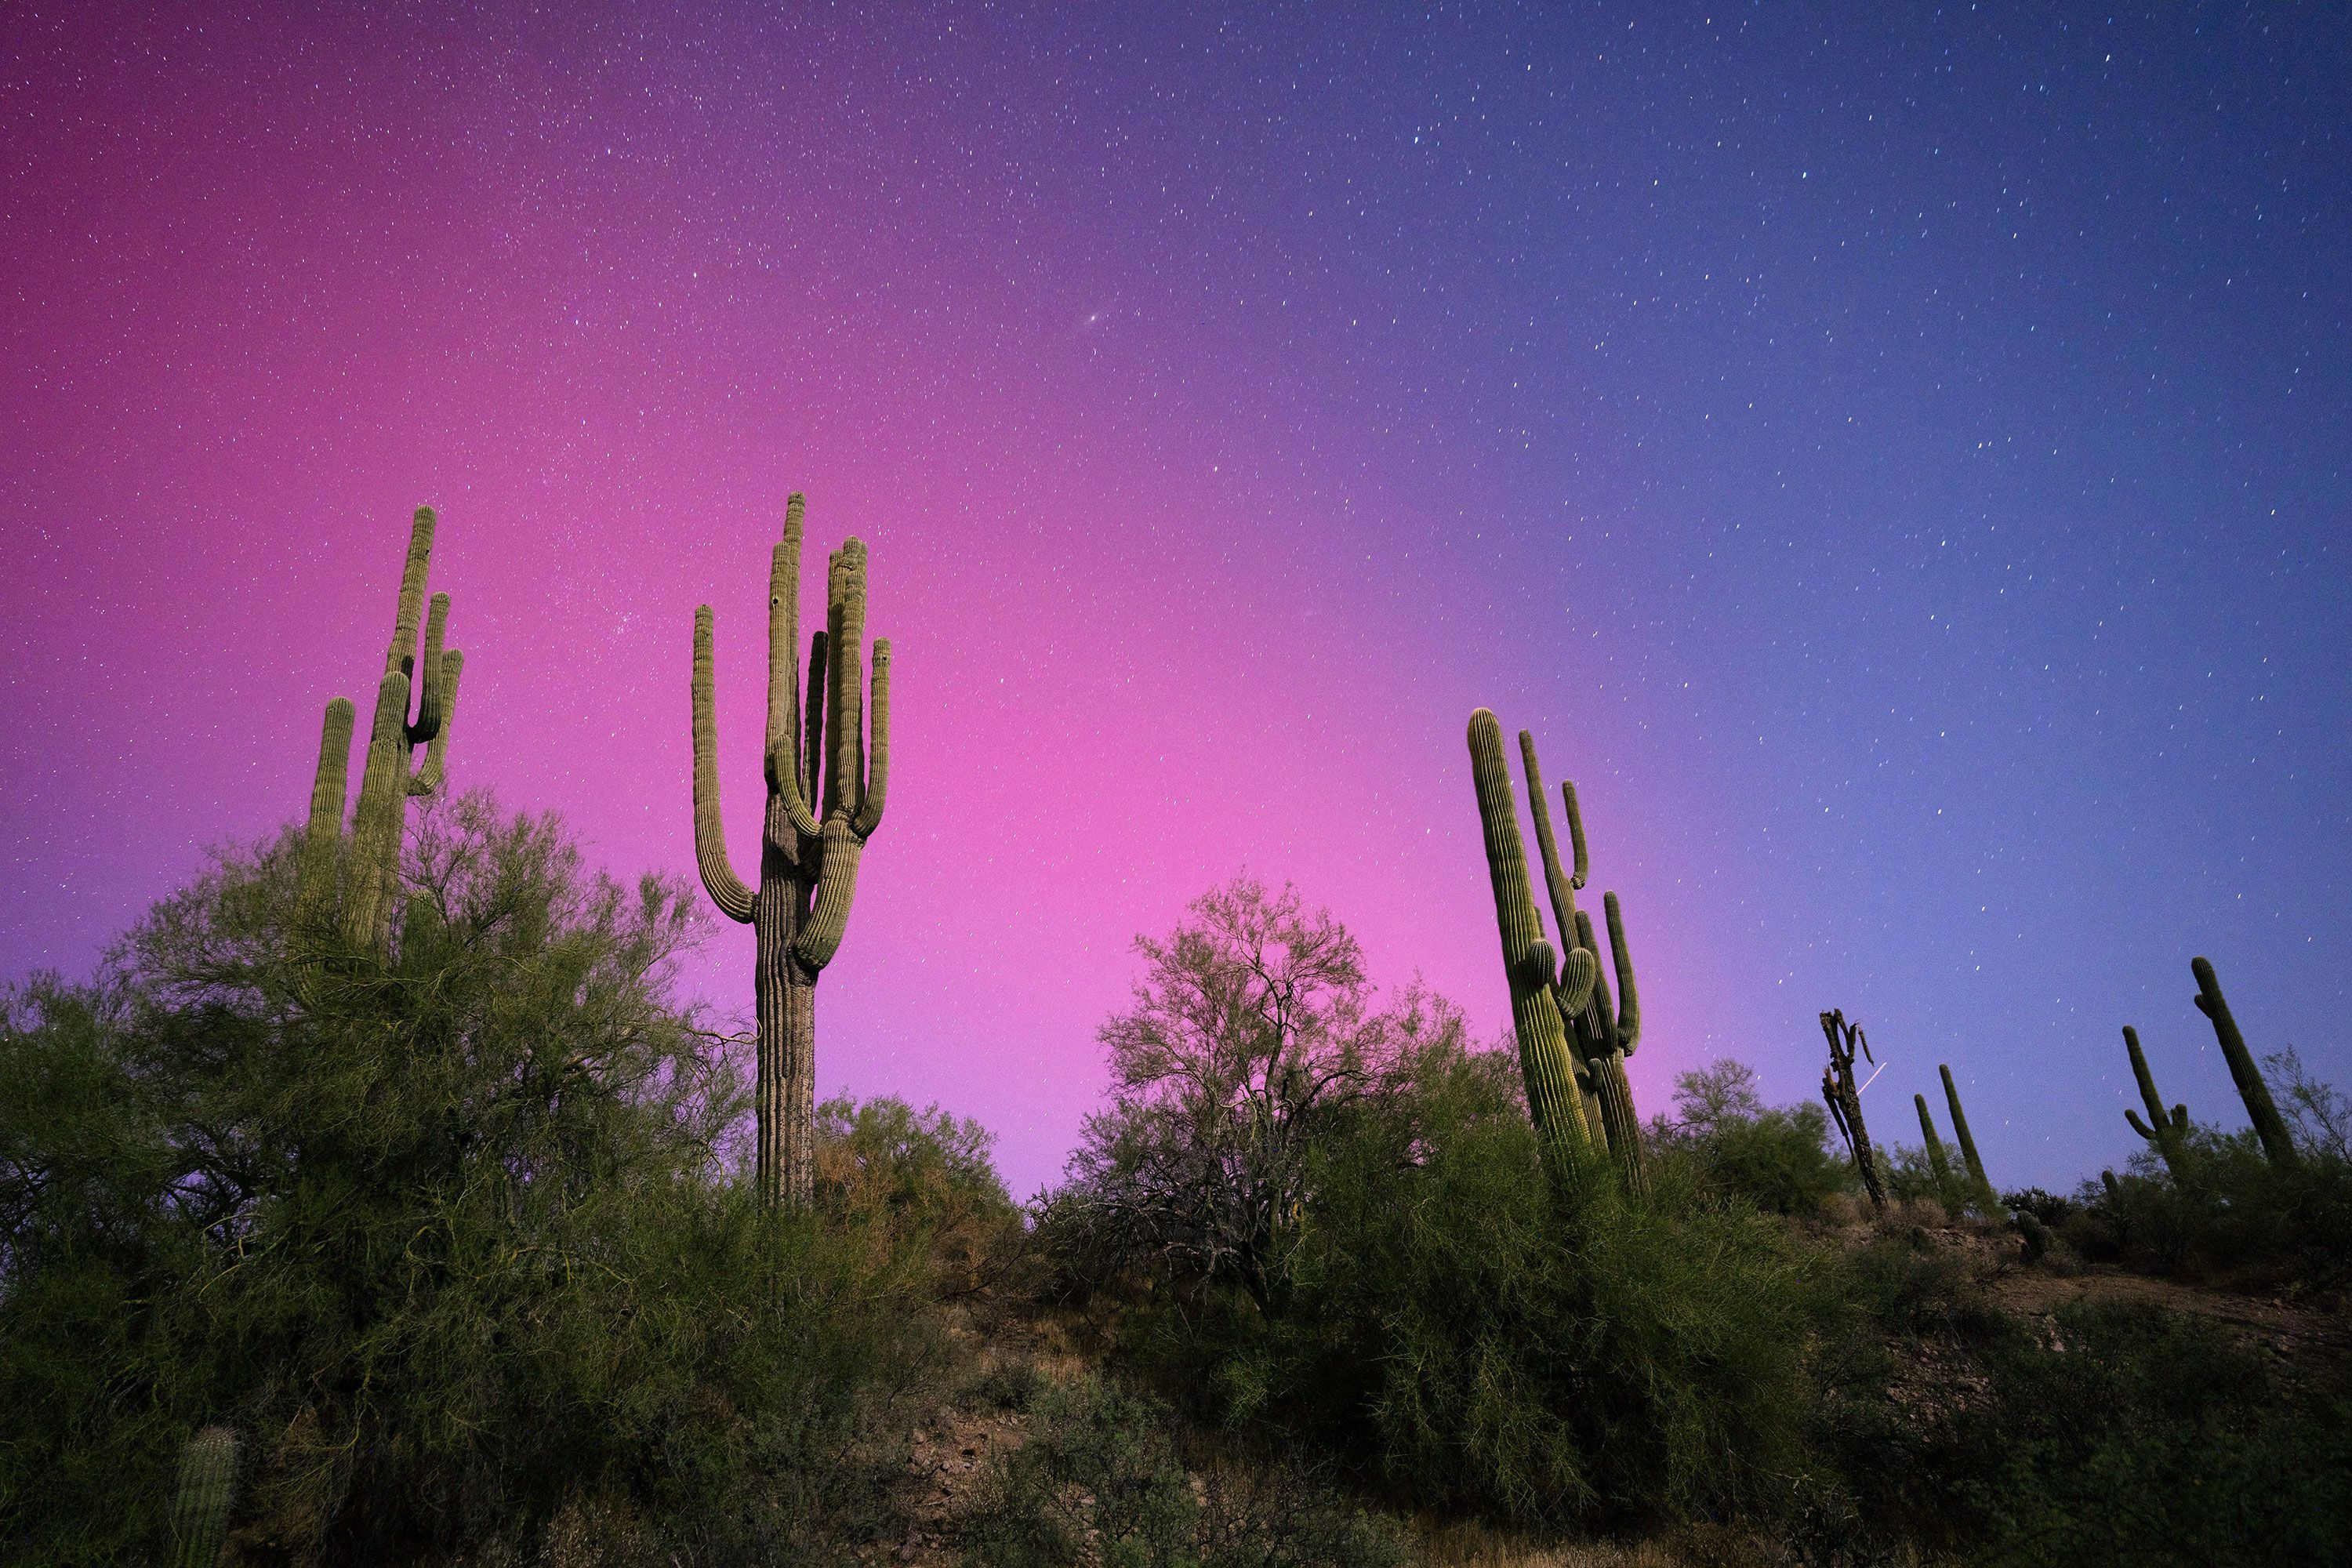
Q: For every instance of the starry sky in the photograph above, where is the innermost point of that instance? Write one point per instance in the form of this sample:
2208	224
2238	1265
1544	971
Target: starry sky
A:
1893	458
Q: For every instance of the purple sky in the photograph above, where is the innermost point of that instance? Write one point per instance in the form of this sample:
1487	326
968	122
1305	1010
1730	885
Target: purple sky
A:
1897	468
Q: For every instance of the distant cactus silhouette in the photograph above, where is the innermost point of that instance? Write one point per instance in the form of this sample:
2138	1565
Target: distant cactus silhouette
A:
1990	1199
2165	1130
2268	1126
369	866
1937	1161
1844	1099
826	796
1604	1034
201	1502
1555	1096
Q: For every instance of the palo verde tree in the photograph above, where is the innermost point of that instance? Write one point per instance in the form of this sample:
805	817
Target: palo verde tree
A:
825	790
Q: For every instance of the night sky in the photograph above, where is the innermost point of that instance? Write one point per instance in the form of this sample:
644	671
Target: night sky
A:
1896	465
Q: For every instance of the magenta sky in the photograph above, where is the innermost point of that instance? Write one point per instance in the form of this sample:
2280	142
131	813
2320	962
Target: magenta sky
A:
1900	477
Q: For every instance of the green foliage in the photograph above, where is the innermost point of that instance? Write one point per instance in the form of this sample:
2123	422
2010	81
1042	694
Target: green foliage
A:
1777	1158
923	1175
451	1242
1108	1476
1456	1330
2225	1209
2128	1435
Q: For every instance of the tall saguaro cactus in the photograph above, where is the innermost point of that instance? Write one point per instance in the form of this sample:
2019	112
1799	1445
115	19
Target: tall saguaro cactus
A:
371	870
2166	1130
828	769
1555	1097
1604	1031
1984	1187
2278	1147
1844	1099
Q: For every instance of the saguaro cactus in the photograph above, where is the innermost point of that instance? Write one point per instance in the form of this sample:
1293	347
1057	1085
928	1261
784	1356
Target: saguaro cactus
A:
2167	1130
825	792
2268	1126
1936	1162
201	1501
371	870
1605	1033
1984	1187
1555	1099
1844	1099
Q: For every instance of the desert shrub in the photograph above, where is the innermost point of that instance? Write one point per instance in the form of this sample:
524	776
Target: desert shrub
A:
451	1243
2227	1214
1777	1158
1456	1330
1110	1476
2129	1436
925	1176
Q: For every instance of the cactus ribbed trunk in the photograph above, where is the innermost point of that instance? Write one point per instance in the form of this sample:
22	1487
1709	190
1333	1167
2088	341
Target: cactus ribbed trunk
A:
1984	1184
202	1499
2268	1126
824	751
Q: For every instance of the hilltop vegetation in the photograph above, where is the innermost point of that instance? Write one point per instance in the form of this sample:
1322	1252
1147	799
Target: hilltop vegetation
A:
459	1254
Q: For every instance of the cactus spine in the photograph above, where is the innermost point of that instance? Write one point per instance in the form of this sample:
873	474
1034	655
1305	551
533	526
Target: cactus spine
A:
200	1503
1937	1161
1604	1032
2166	1129
1555	1097
826	787
1967	1144
2268	1126
1844	1099
370	871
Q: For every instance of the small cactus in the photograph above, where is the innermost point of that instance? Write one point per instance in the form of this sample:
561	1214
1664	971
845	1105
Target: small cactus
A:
1555	1096
1977	1178
2166	1130
201	1502
1844	1099
2278	1147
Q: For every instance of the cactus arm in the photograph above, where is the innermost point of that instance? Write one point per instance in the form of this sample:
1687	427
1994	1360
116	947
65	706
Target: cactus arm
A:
812	772
426	681
2268	1126
836	884
719	879
1628	1030
322	840
784	639
1603	1016
877	766
202	1499
1576	878
376	820
1555	882
845	732
401	655
448	668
